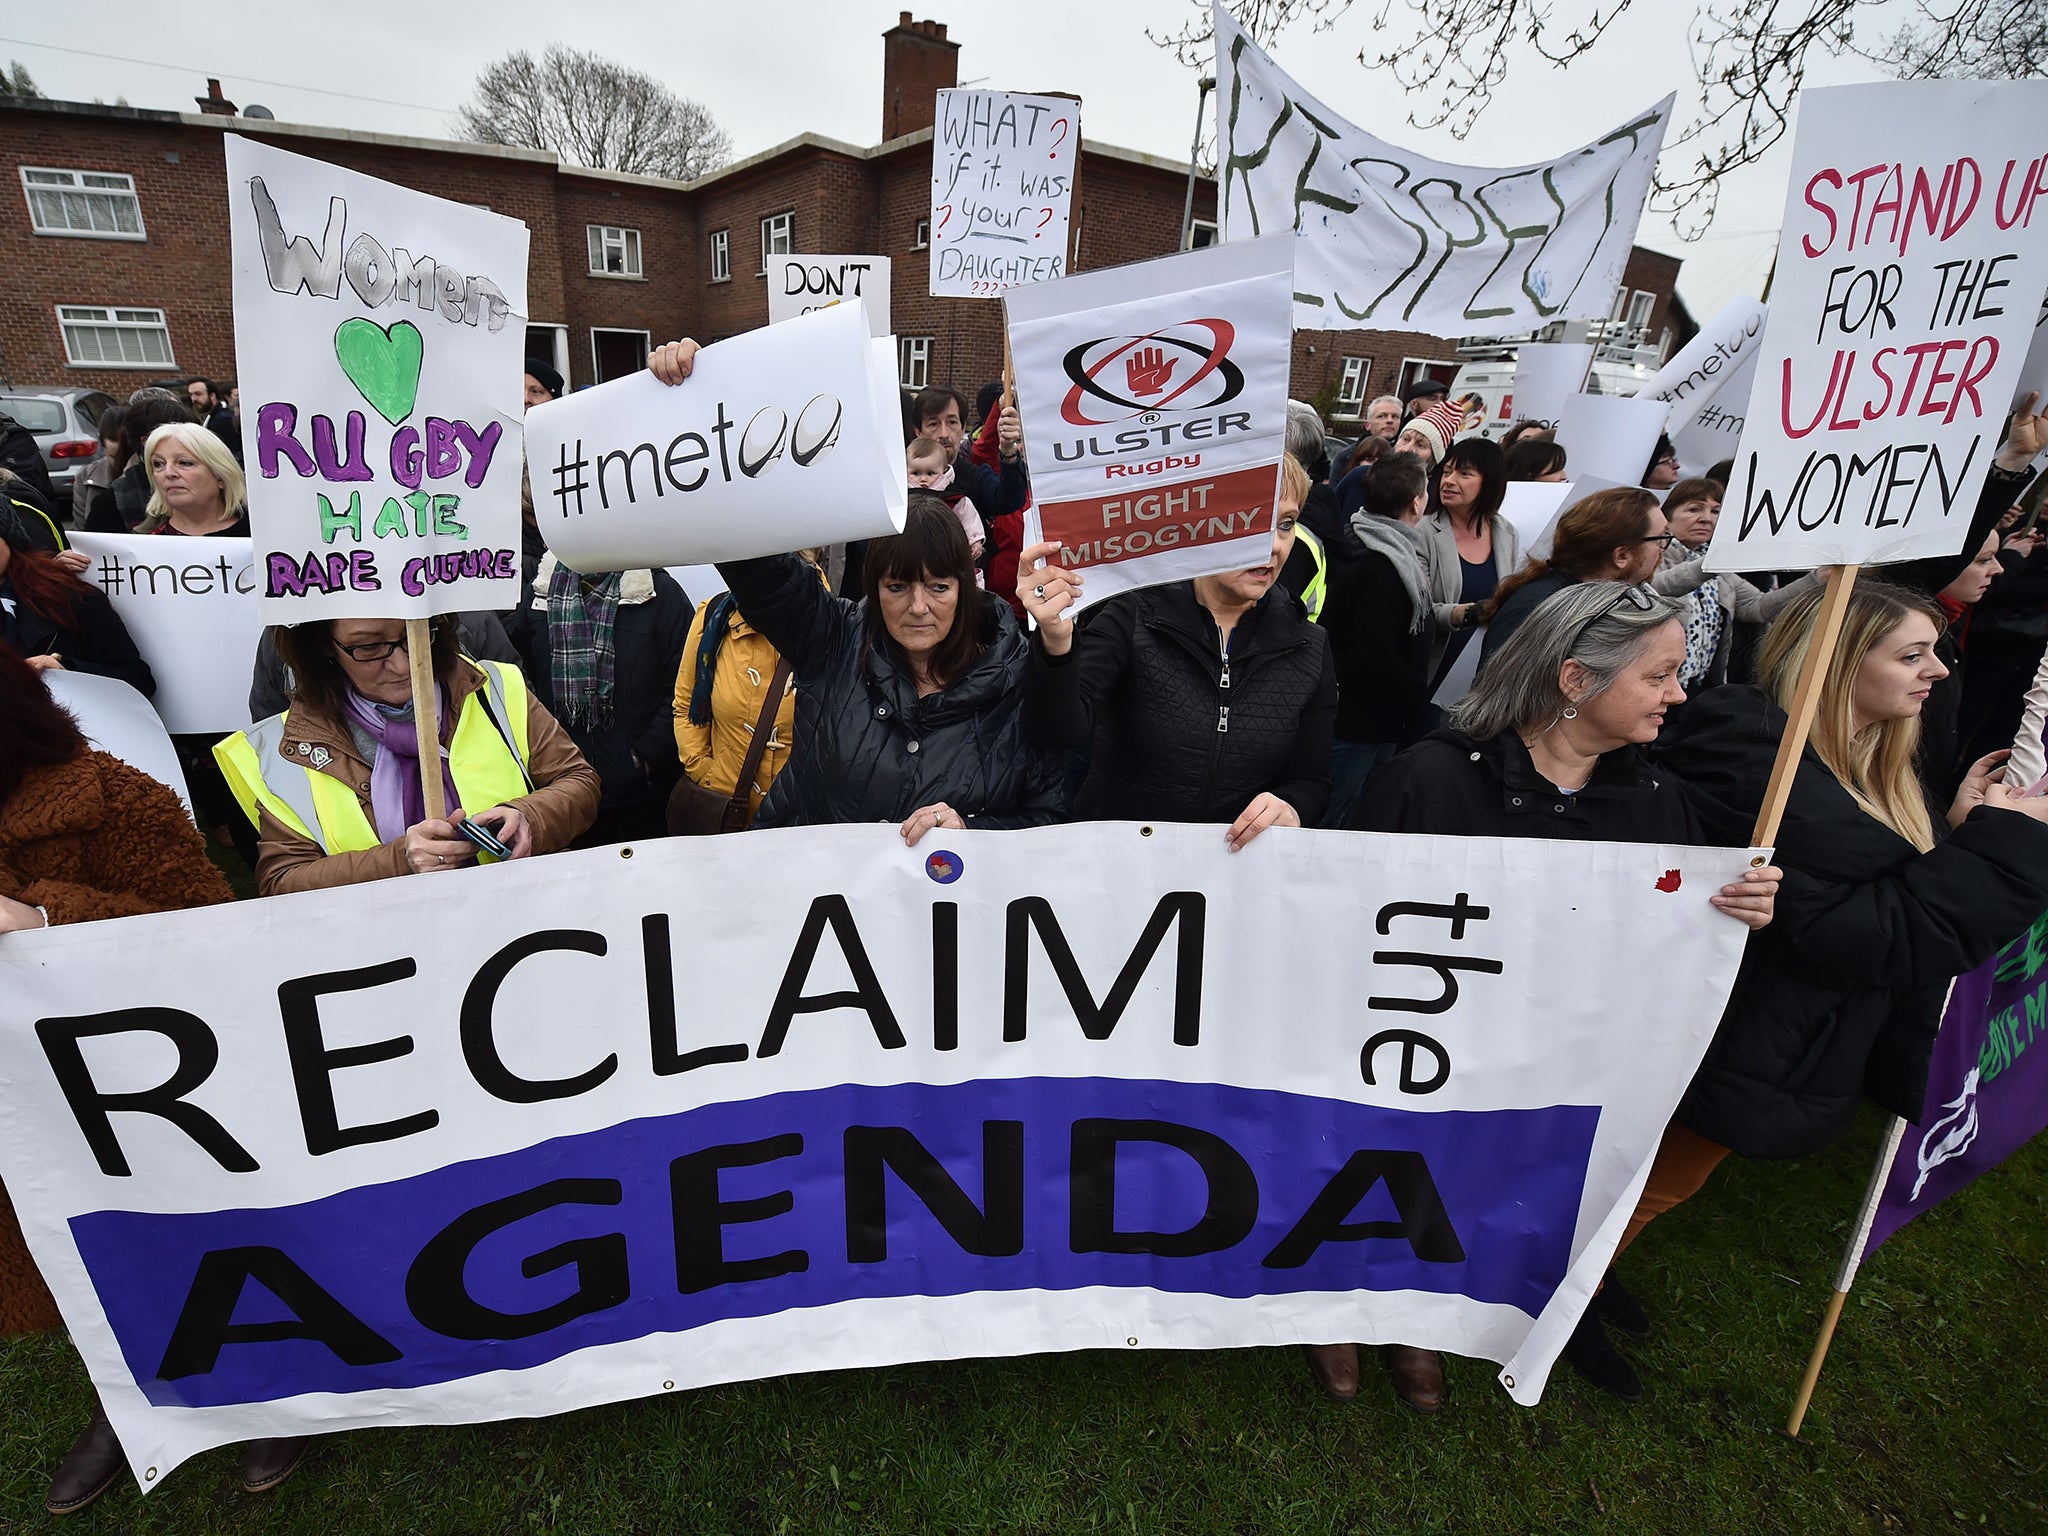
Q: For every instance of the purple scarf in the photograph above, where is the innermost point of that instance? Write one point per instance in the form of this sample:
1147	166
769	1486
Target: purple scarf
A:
397	797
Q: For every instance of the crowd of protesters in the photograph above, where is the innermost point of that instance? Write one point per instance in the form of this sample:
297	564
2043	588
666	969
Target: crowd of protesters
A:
939	678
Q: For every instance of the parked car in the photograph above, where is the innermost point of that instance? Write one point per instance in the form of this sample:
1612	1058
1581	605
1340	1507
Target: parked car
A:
65	423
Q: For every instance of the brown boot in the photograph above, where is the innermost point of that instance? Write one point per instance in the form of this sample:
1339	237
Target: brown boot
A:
89	1468
266	1463
1335	1367
1418	1376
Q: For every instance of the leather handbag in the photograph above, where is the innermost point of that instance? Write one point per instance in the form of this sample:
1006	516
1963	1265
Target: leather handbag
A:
694	811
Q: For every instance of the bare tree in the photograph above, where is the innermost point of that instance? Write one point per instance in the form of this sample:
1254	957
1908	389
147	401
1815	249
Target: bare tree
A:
1749	60
15	80
593	112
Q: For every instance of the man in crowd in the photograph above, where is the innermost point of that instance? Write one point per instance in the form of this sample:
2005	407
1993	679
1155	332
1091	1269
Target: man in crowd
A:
941	413
210	408
1424	393
1383	417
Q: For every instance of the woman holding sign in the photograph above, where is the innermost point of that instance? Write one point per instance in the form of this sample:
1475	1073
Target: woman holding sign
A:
333	784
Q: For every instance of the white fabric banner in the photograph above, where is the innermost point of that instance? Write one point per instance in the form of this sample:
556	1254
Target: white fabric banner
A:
1154	402
194	620
1002	186
515	1140
118	720
380	337
1547	373
781	438
1708	364
1909	278
1393	239
799	284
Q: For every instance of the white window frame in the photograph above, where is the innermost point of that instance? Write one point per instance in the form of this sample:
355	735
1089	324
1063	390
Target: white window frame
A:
558	346
914	361
121	319
1620	309
603	239
1195	229
1641	306
921	239
778	237
721	255
1415	369
77	187
646	345
1350	389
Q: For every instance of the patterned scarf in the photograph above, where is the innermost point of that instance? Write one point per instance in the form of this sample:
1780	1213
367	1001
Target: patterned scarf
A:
1703	624
580	621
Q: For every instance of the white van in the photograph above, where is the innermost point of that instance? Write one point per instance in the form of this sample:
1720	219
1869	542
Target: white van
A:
1493	381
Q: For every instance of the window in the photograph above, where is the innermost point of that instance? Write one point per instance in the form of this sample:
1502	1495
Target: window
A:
913	361
1201	234
721	255
614	252
100	205
1620	305
924	235
1415	369
1639	309
778	238
115	338
1351	386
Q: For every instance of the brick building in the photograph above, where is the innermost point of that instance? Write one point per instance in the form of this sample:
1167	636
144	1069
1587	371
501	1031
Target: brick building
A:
117	272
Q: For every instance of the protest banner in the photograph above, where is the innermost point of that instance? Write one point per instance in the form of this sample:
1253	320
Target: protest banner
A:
781	438
1715	430
334	1159
118	720
799	284
1394	239
379	338
1713	361
1154	397
1003	168
1610	437
1547	373
2034	371
1907	285
193	619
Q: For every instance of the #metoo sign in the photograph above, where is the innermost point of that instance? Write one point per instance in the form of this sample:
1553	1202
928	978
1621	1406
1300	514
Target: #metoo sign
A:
1909	278
1154	398
379	335
799	284
1002	184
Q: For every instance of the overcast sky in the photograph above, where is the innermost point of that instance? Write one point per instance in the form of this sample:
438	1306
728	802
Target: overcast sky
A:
775	68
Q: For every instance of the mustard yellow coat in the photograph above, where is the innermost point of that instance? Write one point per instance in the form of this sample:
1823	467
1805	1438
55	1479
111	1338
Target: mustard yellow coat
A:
712	753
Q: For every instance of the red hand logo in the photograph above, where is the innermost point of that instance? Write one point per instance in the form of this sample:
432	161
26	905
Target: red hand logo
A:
1148	370
1668	881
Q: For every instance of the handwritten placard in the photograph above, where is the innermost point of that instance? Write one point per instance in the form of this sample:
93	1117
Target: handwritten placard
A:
799	284
379	334
1002	184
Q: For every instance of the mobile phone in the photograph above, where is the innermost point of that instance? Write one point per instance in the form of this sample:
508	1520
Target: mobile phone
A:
483	838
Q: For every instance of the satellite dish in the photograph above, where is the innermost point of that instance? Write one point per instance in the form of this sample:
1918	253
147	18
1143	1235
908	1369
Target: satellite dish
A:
262	113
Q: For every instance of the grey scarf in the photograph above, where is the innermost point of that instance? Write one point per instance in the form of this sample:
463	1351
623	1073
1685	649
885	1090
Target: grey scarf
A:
1403	549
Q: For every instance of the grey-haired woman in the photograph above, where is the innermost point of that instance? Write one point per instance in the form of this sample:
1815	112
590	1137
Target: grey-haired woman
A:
1549	743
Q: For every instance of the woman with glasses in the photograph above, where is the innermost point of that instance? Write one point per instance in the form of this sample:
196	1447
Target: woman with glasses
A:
333	784
1616	535
1549	743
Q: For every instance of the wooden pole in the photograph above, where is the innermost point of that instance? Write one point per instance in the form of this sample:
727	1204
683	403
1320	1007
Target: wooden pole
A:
1820	651
1009	366
426	714
1845	1277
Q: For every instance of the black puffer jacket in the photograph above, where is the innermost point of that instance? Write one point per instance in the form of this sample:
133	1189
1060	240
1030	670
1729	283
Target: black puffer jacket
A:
1177	733
1842	994
867	748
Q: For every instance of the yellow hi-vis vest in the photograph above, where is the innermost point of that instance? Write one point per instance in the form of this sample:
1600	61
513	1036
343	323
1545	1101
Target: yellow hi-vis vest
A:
487	759
1318	586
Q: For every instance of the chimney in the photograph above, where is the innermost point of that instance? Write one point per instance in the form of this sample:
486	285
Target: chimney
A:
213	104
917	63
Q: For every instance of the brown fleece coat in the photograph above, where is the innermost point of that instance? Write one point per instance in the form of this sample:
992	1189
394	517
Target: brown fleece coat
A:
83	840
562	806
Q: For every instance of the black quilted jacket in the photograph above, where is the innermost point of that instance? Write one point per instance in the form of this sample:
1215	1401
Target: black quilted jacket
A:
1175	733
866	747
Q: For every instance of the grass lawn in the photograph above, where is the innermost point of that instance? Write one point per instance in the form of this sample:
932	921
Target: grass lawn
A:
1932	1416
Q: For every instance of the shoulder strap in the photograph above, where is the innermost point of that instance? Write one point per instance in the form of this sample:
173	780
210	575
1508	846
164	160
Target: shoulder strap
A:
763	729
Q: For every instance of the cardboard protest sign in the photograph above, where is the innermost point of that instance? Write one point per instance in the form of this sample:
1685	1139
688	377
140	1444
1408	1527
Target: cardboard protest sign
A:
379	341
118	720
799	284
2034	371
398	1190
1154	403
1394	239
1705	367
194	620
1002	184
1909	277
781	438
1610	437
1715	428
1547	373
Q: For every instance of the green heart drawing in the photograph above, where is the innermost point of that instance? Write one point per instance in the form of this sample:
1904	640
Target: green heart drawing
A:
383	364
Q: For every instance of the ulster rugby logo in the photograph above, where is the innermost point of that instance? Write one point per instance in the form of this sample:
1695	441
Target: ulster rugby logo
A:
1183	367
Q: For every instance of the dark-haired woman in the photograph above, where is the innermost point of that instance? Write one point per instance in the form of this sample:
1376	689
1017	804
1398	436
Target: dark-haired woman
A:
99	474
1467	546
1615	535
333	784
909	701
55	620
83	836
1536	458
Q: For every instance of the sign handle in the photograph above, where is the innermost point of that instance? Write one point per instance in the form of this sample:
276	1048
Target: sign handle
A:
1820	652
1009	366
1852	1260
426	721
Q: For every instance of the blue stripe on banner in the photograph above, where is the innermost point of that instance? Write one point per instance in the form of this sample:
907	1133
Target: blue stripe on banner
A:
803	1199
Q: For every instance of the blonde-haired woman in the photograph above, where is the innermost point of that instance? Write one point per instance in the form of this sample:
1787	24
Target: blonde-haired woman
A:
1883	899
195	486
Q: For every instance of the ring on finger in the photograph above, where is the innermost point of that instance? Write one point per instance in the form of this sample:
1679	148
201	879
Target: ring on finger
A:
1038	592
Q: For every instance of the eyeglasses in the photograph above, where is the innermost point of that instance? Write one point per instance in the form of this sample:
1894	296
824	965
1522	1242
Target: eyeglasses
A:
1659	538
1638	597
371	650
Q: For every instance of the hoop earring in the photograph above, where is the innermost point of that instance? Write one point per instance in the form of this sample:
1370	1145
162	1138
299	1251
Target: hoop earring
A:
1571	712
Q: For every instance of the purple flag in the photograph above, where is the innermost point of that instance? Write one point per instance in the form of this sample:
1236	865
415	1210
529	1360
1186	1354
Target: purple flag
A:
1987	1085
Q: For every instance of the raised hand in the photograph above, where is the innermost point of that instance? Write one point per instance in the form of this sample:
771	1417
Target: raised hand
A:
1046	593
